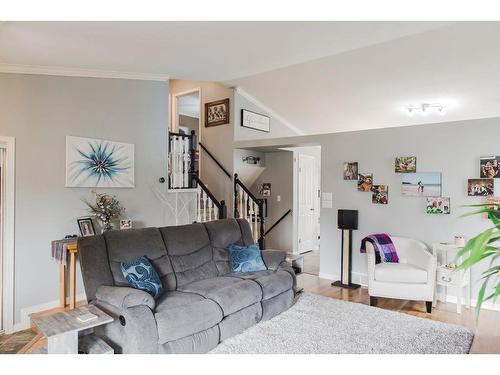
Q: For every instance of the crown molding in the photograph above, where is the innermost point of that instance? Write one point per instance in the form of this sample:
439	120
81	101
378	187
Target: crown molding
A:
270	111
74	72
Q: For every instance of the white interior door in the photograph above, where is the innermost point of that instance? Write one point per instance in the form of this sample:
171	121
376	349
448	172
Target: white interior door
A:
307	197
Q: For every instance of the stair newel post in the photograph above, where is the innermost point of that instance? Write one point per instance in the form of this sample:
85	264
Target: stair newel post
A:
262	215
236	214
222	210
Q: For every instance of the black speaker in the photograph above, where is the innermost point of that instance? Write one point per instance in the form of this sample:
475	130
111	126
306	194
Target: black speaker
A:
347	219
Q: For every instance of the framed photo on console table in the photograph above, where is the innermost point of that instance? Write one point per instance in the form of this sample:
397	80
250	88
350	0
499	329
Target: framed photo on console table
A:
255	121
86	227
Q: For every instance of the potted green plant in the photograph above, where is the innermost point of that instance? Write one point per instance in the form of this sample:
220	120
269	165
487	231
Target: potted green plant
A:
484	247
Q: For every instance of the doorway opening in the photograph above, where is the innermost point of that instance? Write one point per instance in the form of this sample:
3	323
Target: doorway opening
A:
289	180
184	136
306	205
7	154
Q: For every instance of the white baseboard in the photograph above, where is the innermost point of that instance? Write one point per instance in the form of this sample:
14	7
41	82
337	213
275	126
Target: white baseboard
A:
328	276
486	305
25	312
359	278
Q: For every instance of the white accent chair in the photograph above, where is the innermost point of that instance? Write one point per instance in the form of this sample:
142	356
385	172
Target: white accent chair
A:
413	278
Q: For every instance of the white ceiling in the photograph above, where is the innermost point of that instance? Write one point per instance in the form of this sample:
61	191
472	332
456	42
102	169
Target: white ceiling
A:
216	51
320	77
457	65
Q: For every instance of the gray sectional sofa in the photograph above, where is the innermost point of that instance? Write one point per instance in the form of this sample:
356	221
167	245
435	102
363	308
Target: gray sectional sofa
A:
203	304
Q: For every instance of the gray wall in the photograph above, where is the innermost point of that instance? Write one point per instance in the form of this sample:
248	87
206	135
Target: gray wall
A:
453	148
40	111
279	172
278	129
248	173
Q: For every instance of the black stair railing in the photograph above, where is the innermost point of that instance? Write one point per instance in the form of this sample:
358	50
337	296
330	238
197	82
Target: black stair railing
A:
221	206
215	160
251	208
278	221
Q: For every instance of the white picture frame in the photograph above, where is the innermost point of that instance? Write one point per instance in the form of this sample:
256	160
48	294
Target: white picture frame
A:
256	121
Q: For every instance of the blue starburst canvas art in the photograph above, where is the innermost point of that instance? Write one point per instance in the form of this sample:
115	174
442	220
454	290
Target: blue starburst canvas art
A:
99	163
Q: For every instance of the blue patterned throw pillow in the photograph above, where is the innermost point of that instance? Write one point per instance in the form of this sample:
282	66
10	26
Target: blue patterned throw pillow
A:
141	274
246	258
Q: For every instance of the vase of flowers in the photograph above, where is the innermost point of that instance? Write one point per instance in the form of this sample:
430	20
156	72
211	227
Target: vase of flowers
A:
105	209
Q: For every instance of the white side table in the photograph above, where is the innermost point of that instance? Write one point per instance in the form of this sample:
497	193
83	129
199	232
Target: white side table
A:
65	333
448	277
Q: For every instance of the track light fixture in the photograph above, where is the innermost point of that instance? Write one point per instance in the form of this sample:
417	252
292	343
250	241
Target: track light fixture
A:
425	108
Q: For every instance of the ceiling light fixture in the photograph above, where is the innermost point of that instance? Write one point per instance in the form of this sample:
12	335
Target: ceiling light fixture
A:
425	108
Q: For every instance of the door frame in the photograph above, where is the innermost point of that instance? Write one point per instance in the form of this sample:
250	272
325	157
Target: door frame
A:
295	209
7	262
174	120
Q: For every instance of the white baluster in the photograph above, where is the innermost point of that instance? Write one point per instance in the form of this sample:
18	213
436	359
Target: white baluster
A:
198	204
175	158
179	162
251	214
245	205
205	204
170	164
255	223
240	201
216	212
210	205
186	157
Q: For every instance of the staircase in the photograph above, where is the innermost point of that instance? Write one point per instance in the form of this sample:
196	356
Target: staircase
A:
183	157
208	208
250	208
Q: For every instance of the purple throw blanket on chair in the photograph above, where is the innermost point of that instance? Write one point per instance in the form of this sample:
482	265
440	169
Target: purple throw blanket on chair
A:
383	247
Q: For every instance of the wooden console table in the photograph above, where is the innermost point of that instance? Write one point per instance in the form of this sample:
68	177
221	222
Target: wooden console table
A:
72	252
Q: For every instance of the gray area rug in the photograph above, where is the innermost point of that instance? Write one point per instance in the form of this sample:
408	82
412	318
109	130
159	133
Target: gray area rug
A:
317	324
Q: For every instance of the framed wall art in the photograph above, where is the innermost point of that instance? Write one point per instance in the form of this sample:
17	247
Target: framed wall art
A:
217	113
99	163
422	184
255	121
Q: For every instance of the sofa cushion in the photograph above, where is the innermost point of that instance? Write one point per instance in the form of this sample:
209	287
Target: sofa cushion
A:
246	258
181	314
127	245
271	282
230	293
190	252
222	234
400	273
141	274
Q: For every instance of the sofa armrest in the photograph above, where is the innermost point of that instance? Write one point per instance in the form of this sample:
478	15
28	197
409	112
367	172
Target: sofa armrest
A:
124	297
371	258
273	258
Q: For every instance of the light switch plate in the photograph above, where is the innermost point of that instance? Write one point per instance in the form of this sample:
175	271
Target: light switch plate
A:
327	196
327	204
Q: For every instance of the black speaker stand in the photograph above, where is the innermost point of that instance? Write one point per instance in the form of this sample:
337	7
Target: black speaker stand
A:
347	286
345	274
